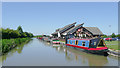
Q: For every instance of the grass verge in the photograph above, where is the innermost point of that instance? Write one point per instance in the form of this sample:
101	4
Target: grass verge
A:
8	44
113	45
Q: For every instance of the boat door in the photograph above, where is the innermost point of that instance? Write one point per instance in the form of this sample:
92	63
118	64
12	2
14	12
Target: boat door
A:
101	43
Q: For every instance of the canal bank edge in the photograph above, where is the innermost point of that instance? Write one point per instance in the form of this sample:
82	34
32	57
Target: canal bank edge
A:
115	53
14	44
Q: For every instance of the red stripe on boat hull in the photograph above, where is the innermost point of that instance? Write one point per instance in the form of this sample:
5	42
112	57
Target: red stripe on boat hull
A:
86	48
101	48
39	38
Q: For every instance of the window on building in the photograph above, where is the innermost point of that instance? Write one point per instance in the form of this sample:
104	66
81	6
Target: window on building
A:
83	43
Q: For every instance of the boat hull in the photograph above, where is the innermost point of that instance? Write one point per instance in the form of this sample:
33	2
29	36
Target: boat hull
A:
40	38
55	42
102	50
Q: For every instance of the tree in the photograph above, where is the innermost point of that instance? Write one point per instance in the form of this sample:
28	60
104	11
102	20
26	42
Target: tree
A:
23	35
118	36
5	33
113	35
31	35
0	33
19	29
10	33
104	36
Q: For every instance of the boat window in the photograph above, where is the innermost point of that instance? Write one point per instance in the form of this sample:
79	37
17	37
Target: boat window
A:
69	41
94	43
76	42
72	42
83	43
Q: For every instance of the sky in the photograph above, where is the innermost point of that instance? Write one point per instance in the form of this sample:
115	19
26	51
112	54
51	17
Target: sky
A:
60	0
46	17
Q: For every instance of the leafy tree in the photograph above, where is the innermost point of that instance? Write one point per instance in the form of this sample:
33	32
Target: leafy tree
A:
10	33
39	36
118	36
20	29
0	33
31	35
104	36
24	35
113	35
5	33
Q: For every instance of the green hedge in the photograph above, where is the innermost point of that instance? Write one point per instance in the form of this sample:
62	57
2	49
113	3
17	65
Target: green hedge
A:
8	44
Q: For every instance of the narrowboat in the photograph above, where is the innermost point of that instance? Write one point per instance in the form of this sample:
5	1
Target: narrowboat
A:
40	37
47	39
55	41
96	45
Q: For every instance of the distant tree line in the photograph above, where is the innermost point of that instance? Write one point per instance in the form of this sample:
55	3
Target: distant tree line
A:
10	33
42	36
111	36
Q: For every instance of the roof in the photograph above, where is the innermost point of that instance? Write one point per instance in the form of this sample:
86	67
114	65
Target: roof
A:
94	30
72	30
60	30
78	39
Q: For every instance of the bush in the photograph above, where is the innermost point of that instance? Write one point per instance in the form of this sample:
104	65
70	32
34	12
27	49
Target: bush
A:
8	44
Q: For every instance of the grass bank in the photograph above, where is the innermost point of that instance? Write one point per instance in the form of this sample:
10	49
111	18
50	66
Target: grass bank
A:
8	44
113	45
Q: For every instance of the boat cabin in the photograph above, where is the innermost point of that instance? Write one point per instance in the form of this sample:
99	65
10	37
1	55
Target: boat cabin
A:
89	43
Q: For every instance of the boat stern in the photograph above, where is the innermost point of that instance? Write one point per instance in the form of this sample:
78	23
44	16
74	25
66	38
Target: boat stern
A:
100	50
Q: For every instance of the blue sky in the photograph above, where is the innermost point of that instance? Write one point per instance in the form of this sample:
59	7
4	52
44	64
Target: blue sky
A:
45	17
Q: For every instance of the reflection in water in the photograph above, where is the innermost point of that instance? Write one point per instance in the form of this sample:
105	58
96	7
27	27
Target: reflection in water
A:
17	49
72	54
92	60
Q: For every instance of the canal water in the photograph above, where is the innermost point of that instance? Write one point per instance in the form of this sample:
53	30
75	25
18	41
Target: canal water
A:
41	53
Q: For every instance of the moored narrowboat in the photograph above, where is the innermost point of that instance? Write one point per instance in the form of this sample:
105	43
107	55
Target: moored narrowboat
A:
55	41
96	45
47	39
40	38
